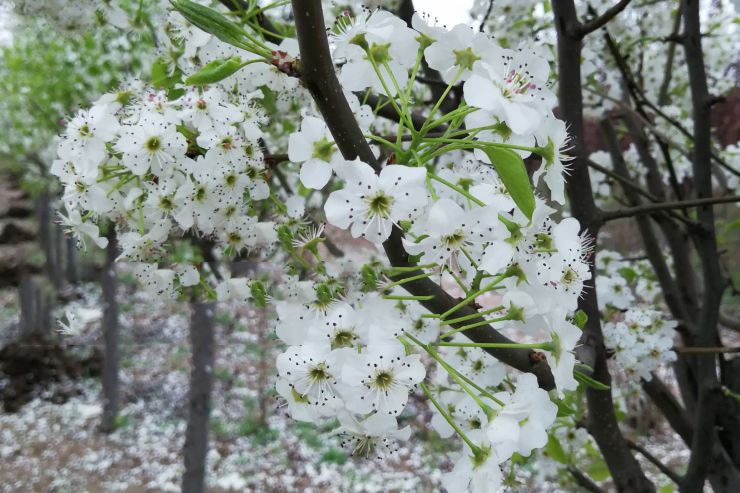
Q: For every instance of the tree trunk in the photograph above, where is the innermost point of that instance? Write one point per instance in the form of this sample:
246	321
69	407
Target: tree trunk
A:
199	398
112	355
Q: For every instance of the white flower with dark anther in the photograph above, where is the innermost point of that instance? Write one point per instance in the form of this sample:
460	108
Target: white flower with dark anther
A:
566	271
642	342
201	195
233	288
477	474
513	85
74	224
209	110
187	274
613	291
450	234
521	424
474	362
239	233
374	437
159	282
312	370
191	37
380	379
299	406
314	146
137	247
372	204
341	327
562	360
153	144
425	330
552	171
86	138
461	48
464	411
382	36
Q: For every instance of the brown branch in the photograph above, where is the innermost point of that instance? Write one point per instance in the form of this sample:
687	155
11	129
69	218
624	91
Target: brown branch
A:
681	204
626	182
649	239
706	350
667	403
318	75
656	462
603	426
584	481
602	20
706	334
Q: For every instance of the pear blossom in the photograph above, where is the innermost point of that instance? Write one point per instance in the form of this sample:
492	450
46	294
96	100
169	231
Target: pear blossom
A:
371	204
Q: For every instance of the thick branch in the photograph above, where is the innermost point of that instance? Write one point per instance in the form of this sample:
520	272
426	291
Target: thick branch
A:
603	426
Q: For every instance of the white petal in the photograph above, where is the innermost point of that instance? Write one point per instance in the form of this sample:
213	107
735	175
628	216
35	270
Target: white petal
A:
315	174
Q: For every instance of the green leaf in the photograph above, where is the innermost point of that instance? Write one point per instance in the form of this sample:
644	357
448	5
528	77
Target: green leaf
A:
510	168
598	471
564	409
628	273
162	79
588	381
579	319
211	22
215	71
555	450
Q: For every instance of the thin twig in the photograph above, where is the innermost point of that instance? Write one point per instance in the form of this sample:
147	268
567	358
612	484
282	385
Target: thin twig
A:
584	480
601	20
682	204
656	462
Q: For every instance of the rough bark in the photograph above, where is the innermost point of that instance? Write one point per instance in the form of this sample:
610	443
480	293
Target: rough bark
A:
111	356
195	449
602	422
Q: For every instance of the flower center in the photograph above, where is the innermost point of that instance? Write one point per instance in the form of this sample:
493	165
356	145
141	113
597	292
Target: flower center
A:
200	194
84	130
465	58
380	205
153	144
343	338
454	239
383	379
318	373
323	149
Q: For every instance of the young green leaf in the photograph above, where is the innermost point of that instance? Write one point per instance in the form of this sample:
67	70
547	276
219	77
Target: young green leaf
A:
588	381
211	22
510	168
215	71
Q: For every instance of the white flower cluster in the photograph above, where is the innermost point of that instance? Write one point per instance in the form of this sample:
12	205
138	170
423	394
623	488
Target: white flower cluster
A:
127	159
163	164
462	221
641	341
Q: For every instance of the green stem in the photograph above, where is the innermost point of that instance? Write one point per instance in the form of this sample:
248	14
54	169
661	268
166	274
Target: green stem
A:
456	188
407	279
447	418
473	325
544	346
472	315
410	298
